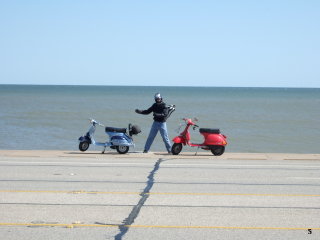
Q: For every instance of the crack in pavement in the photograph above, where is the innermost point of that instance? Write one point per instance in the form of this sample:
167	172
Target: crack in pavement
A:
124	227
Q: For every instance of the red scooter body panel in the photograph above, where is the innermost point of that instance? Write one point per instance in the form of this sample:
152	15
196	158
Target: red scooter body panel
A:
214	139
184	137
179	139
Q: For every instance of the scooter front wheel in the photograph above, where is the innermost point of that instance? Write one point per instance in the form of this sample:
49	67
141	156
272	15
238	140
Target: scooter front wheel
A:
83	146
122	149
176	148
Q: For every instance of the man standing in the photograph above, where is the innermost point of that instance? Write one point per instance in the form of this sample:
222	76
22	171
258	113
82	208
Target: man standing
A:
160	114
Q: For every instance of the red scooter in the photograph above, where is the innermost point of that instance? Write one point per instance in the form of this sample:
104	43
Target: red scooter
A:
213	139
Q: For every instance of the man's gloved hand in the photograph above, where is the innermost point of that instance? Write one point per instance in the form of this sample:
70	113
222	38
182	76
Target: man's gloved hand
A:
138	111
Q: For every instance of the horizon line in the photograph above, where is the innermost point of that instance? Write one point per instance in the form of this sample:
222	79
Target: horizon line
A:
187	86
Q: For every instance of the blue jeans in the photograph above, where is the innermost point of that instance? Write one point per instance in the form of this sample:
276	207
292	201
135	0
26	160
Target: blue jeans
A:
162	127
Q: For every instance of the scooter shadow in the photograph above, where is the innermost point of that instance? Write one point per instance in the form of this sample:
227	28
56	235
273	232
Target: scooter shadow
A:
181	155
188	154
93	153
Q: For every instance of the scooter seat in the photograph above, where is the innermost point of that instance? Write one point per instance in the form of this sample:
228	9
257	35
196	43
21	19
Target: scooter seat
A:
209	130
118	130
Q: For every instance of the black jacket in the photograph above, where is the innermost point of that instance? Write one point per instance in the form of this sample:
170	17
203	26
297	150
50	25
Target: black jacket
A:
159	110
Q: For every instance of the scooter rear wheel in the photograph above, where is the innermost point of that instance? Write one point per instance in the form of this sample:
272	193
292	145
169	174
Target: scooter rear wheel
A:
83	146
122	149
176	148
217	150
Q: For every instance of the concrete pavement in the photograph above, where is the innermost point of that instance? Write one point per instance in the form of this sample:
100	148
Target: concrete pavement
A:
73	195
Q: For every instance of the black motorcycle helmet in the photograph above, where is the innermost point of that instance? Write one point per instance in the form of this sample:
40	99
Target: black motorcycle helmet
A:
158	98
134	129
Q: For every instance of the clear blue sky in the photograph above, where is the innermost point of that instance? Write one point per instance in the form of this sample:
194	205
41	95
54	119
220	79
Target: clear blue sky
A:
267	43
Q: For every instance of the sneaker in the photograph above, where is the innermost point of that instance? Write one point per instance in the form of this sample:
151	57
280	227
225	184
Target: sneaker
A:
169	152
145	151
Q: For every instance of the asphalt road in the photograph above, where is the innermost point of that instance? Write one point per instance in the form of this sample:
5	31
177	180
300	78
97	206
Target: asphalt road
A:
158	196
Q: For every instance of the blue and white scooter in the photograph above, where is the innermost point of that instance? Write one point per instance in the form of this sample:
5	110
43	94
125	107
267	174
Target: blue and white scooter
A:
118	138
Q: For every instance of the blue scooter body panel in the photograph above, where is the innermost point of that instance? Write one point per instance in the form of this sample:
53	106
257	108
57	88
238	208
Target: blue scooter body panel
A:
85	139
120	139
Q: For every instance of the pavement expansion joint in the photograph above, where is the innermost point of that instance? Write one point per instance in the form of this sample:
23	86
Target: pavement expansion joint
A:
136	209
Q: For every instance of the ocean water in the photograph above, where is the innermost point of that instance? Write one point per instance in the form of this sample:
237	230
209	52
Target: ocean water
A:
282	120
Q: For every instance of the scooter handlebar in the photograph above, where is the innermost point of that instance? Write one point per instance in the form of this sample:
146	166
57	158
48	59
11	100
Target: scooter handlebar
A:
186	119
190	122
95	122
195	126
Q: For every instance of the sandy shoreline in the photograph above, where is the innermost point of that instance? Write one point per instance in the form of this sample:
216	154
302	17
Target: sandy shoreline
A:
226	156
